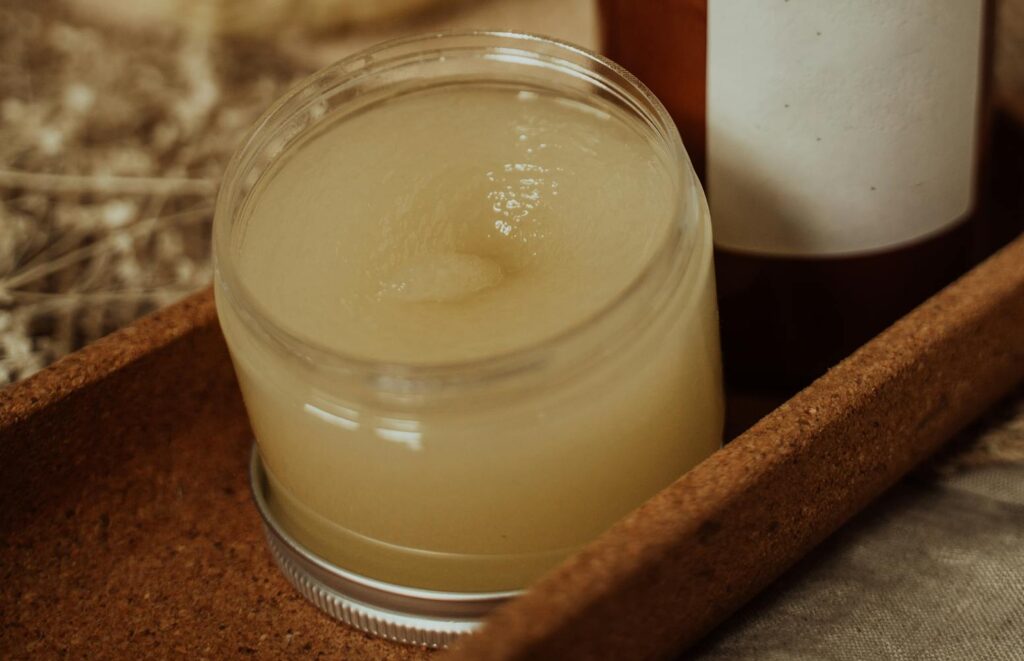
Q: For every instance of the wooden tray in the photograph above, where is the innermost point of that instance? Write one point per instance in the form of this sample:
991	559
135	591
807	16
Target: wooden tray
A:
127	530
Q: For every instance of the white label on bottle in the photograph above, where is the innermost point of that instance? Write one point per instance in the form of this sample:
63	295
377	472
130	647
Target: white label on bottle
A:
839	127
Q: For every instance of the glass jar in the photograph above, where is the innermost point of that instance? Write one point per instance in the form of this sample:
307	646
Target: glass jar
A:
461	482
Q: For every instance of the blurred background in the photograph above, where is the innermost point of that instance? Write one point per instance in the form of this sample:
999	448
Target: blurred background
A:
117	119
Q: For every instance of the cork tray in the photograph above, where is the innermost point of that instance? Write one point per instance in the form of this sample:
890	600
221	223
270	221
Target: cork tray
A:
127	530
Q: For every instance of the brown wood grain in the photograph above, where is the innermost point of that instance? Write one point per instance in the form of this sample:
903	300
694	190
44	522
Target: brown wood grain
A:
126	525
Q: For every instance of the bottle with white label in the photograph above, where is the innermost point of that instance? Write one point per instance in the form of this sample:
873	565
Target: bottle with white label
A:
840	145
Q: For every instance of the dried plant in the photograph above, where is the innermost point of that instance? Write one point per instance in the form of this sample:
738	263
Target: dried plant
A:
261	17
111	147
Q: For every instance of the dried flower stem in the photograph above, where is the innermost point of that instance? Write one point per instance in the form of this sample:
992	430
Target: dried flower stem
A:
55	300
93	249
70	183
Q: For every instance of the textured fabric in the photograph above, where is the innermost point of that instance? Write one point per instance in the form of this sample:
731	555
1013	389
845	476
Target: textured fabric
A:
933	570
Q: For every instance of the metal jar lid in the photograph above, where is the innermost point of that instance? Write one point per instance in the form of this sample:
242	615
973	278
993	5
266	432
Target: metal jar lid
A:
402	614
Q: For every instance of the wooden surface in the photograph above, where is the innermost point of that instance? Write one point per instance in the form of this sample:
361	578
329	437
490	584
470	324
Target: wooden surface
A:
126	525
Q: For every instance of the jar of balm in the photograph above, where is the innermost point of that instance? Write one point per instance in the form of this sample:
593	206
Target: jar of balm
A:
466	281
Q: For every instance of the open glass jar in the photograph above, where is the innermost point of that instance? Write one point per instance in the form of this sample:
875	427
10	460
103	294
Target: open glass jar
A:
448	403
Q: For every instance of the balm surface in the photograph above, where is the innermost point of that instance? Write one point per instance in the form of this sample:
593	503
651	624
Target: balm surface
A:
455	223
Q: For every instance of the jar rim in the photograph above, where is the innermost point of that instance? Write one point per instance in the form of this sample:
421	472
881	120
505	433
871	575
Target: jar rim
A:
363	63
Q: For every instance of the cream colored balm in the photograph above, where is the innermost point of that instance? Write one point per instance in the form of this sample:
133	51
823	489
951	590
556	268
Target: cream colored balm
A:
473	321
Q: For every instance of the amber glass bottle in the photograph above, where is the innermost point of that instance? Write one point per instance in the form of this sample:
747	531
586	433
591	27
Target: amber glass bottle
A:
841	146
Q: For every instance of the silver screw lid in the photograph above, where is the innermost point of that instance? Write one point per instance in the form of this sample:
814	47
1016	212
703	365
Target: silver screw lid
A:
402	614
